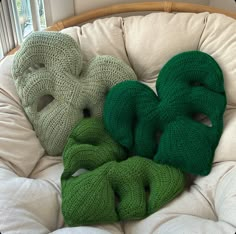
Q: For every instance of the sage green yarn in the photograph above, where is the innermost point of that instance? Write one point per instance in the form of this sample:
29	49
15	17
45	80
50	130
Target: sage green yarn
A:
189	83
91	198
57	89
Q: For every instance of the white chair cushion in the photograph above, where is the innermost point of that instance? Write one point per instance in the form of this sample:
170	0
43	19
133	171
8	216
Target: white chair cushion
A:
30	200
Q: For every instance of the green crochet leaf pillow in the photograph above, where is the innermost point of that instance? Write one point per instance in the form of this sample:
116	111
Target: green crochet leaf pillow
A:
57	90
91	197
162	127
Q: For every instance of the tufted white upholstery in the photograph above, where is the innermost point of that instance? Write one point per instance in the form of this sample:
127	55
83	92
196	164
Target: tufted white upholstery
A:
30	180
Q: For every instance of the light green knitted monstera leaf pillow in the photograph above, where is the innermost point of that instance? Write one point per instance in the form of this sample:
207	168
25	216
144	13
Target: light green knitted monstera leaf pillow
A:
57	89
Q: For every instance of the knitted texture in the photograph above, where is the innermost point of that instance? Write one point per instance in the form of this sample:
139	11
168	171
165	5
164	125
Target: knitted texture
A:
57	89
111	190
188	84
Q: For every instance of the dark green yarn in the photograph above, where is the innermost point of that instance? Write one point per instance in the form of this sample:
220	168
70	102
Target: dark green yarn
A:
91	197
189	83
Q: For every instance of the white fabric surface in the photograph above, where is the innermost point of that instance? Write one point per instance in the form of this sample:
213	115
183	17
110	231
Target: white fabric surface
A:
30	200
208	207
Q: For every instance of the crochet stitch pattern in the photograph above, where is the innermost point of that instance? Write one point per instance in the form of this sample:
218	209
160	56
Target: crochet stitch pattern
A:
90	198
57	89
188	84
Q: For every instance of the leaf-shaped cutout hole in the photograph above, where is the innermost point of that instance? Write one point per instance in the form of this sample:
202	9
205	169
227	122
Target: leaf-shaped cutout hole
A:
34	67
202	118
44	101
158	136
147	192
117	199
80	172
196	83
86	112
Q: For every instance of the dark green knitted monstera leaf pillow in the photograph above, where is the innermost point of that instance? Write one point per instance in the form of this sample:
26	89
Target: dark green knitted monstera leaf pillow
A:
57	89
91	197
163	127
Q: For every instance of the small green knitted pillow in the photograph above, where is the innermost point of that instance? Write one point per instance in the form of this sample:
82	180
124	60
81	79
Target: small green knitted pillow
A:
112	190
189	84
57	89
